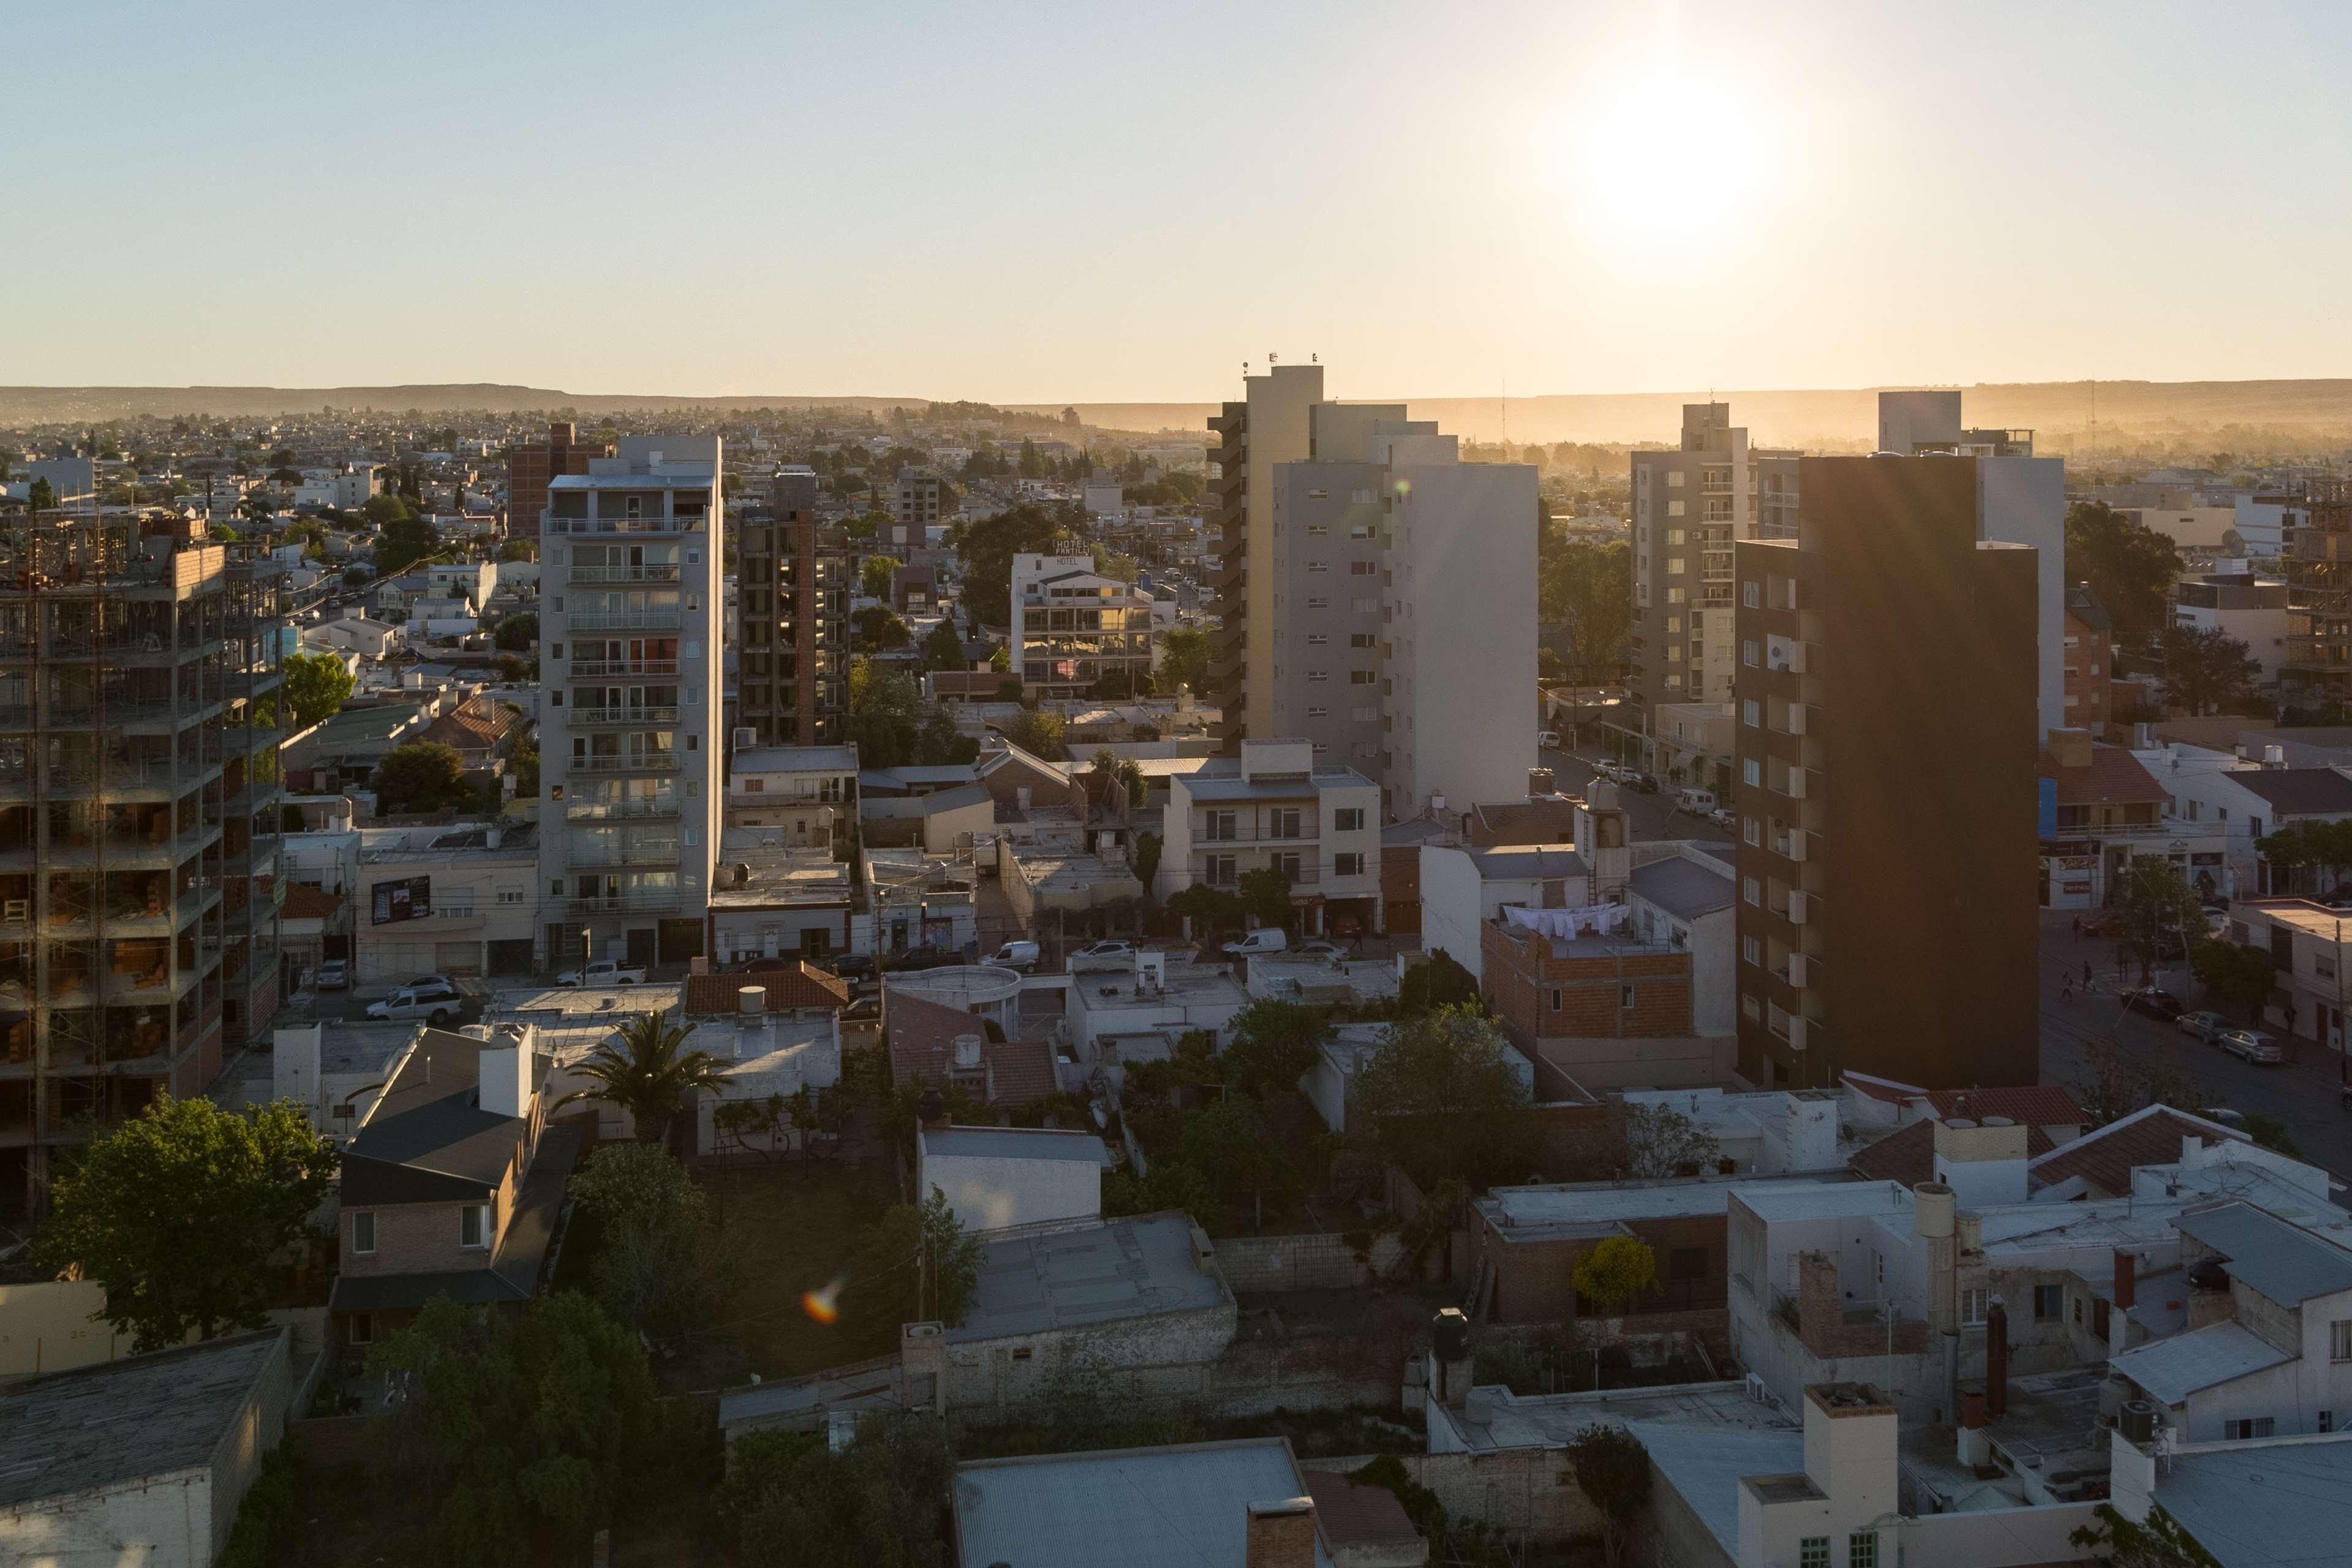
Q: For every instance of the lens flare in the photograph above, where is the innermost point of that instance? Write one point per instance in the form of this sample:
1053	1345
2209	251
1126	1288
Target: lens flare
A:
825	1305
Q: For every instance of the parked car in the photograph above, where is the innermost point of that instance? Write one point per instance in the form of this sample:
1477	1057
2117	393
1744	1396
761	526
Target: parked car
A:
2103	923
916	958
431	983
335	974
1266	939
2154	1001
1723	817
1110	947
2255	1046
1641	783
1021	955
2225	1115
1316	949
2207	1026
436	1007
1547	740
1613	771
1699	802
603	972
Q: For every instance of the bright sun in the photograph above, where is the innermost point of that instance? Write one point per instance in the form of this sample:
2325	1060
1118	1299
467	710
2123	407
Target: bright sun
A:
1667	157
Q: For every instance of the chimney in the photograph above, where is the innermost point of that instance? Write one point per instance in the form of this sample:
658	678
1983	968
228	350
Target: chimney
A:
506	1083
932	1109
698	965
1997	1359
1449	1353
1281	1534
2126	1280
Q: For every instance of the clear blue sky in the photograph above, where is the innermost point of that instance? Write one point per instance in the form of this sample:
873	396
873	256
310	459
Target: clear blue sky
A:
1124	202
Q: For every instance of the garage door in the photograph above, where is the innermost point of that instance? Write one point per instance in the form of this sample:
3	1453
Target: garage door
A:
458	957
510	957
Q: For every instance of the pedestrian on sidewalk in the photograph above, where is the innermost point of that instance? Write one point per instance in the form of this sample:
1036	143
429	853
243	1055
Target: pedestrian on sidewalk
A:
2086	971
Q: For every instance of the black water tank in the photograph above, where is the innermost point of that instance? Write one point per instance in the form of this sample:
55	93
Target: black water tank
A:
1449	1332
2138	1421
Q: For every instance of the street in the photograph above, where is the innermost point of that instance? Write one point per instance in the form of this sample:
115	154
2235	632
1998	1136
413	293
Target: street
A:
1651	815
2303	1092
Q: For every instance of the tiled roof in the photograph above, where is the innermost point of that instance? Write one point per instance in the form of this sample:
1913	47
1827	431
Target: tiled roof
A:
1909	1156
470	729
789	986
305	902
921	1031
2297	791
2036	1105
2114	777
2106	1158
2215	732
1352	1515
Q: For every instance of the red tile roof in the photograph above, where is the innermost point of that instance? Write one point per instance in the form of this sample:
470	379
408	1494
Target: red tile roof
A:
2114	777
470	729
2106	1158
1909	1156
1351	1515
304	902
921	1032
789	985
2036	1105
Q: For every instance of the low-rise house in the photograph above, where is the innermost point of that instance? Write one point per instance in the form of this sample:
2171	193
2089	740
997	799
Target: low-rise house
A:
144	1459
777	901
2305	941
1241	1504
802	791
1274	808
1054	886
456	900
2250	802
920	899
483	732
356	633
2102	808
948	822
1340	1057
933	1042
1149	992
340	752
451	1185
1465	886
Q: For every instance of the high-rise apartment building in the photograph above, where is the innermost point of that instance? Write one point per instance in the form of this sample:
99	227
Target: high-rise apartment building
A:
532	464
630	629
916	504
1887	735
1248	439
1691	505
1403	608
793	601
140	888
1073	627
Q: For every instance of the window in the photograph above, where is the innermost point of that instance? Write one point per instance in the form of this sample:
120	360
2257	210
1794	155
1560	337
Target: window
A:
1318	712
1363	676
1362	639
1318	566
1347	819
1751	891
1751	714
1319	604
2048	1303
1753	1008
473	1224
1315	677
1674	509
1319	530
510	895
362	1233
1752	830
2339	1336
1348	864
1972	1305
1813	1551
1861	1549
1677	595
1318	639
1751	771
1675	624
1673	479
1677	564
1675	535
1751	594
1624	996
1362	568
2253	1426
2327	1421
1749	654
1751	950
362	1327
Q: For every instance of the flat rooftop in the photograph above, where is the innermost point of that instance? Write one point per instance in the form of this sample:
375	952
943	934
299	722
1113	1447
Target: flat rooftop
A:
1552	1211
2051	1423
1550	1420
1193	985
1185	1506
1092	1274
144	1417
1017	1144
1706	1464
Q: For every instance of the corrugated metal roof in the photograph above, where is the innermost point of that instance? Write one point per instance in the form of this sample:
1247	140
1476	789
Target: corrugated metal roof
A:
1683	887
2284	1262
2171	1370
1091	1274
2264	1505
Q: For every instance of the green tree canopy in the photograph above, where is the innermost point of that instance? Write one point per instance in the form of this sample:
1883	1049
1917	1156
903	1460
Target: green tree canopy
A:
1590	586
987	548
791	1502
1038	732
1448	1100
518	633
1272	1046
1230	1144
1612	1470
650	1270
2208	670
2130	568
421	775
878	627
317	687
645	1071
2237	976
2158	910
943	649
522	1429
1265	893
874	577
1183	660
179	1212
42	495
1615	1272
917	1265
1440	982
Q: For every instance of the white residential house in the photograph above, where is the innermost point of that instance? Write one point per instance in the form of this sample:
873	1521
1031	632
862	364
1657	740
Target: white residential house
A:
1273	807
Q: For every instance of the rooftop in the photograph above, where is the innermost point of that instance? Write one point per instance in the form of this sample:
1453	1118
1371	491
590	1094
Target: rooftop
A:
2298	791
142	1418
2106	1156
922	1033
1527	862
2171	1370
769	877
2256	1504
427	1137
1684	888
1084	1147
1544	1213
2113	777
786	986
1706	1465
796	760
2286	1263
1120	1268
1547	1420
1187	983
1185	1506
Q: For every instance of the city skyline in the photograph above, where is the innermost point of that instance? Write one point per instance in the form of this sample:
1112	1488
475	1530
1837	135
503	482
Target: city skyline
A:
1576	200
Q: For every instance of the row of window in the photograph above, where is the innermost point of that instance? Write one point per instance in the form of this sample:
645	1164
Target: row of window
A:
473	1229
1861	1551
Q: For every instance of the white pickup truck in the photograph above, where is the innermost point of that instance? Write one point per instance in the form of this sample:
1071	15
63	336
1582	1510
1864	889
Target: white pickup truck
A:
603	972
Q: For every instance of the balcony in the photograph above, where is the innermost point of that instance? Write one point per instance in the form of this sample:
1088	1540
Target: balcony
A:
625	620
1785	655
584	525
638	762
652	810
666	573
591	668
655	716
642	903
651	852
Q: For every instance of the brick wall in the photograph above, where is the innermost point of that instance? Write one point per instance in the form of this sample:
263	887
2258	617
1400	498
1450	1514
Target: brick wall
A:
1321	1261
1529	1490
1820	1317
1540	993
1534	1279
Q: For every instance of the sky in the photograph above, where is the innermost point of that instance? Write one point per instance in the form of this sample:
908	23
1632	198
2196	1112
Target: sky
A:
1126	203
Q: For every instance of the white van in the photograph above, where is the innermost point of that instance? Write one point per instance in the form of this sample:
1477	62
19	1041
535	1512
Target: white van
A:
1021	955
1547	740
1267	939
1697	802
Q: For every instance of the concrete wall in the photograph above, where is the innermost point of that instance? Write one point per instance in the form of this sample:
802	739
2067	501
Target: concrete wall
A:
1321	1261
995	1194
1163	1356
54	1326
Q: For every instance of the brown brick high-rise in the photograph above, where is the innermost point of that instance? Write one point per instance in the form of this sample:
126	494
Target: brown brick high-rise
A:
1886	737
530	466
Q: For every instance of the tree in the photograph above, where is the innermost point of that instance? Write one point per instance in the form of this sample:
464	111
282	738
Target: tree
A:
517	634
1448	1098
2308	846
179	1212
885	707
943	649
649	1270
645	1071
2271	1132
1032	462
317	686
917	1265
1591	587
1170	1184
421	775
987	548
1229	1145
1612	1470
1146	858
1183	660
874	577
1616	1272
2158	910
1660	1141
1038	732
43	496
1265	893
2208	670
1272	1046
402	537
1000	659
2129	568
2161	1543
545	1427
878	627
1440	982
1211	909
2237	976
791	1502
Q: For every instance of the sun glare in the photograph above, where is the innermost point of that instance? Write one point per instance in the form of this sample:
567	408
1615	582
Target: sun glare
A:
1669	156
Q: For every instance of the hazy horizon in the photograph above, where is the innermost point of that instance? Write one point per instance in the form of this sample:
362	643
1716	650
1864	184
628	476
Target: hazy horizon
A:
1125	208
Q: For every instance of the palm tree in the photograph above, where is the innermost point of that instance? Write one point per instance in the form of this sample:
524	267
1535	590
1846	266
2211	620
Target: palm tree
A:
643	1072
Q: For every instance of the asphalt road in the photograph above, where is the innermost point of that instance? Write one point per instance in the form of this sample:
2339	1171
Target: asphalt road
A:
2303	1092
1652	815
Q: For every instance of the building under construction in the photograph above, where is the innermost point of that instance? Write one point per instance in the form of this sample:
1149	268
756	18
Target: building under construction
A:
2318	672
139	726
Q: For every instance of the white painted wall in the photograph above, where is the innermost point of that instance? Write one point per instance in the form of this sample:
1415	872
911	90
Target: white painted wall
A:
995	1194
2023	500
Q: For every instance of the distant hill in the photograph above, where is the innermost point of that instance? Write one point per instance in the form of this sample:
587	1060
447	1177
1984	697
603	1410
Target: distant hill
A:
1845	418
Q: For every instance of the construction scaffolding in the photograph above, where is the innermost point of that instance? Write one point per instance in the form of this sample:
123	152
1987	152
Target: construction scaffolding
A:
2318	671
140	724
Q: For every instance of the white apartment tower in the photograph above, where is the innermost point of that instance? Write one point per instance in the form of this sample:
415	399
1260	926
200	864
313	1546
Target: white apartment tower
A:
630	635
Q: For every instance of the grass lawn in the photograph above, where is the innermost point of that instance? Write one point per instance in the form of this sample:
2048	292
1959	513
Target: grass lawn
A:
791	1233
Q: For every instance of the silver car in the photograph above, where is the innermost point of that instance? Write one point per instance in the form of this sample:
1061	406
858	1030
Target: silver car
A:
2254	1045
2207	1026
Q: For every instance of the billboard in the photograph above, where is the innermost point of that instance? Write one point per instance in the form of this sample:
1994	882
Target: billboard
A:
410	898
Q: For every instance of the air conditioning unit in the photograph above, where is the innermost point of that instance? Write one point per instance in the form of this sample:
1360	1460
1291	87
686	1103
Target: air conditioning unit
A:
1796	1032
1797	970
1800	908
746	739
1755	1390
